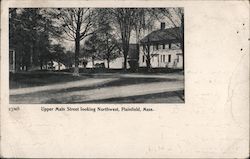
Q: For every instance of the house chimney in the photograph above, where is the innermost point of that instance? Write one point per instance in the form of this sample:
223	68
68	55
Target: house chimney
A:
162	25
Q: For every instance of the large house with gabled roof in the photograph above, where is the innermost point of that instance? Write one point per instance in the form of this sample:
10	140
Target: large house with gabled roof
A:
163	48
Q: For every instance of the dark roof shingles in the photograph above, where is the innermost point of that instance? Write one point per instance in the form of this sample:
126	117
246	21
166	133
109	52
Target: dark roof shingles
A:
160	35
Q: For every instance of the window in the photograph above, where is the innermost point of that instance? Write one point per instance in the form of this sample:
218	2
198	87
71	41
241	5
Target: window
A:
163	58
157	47
144	47
169	58
163	46
143	58
166	46
169	46
178	58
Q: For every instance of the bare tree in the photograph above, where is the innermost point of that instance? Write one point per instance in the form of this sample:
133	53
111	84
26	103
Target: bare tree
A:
90	48
107	44
124	17
77	24
144	21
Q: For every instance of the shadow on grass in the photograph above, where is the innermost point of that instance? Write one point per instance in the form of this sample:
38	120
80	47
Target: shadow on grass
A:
115	83
165	97
41	78
31	79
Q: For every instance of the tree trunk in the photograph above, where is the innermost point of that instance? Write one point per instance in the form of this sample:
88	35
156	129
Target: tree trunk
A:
77	50
148	58
148	62
108	62
41	66
93	62
52	64
125	60
125	54
41	63
31	56
59	66
137	45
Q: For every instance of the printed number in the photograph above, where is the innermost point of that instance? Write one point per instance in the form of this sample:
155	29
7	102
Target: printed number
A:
12	109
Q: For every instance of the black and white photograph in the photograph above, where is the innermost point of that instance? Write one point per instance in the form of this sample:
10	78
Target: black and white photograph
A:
124	79
96	55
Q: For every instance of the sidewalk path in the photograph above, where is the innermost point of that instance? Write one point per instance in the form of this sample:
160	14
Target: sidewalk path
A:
126	91
43	94
100	93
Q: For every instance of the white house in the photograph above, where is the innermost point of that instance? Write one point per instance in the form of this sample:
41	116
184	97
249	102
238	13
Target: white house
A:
163	46
117	63
114	64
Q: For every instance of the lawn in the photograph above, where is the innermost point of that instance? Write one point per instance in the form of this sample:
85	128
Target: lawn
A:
31	79
59	87
38	78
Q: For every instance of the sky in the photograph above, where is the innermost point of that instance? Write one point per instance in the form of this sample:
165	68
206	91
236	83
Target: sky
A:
69	45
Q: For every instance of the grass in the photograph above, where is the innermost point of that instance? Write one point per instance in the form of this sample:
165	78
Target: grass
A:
41	78
139	70
30	79
165	97
118	82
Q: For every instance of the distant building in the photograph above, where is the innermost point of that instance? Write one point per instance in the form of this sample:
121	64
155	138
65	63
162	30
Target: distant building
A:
164	48
58	66
113	64
132	60
53	65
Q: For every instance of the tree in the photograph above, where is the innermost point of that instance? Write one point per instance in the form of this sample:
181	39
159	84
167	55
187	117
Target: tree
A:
143	21
68	59
124	17
30	33
77	24
147	53
90	49
109	48
102	45
58	54
107	44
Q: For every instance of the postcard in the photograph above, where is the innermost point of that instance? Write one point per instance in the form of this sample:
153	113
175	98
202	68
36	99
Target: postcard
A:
124	79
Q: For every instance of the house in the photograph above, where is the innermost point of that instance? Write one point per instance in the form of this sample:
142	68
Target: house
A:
163	48
117	63
114	64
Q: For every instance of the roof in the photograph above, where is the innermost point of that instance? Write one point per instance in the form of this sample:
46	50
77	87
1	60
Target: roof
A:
162	35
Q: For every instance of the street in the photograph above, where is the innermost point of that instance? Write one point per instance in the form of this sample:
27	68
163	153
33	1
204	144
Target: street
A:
106	88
